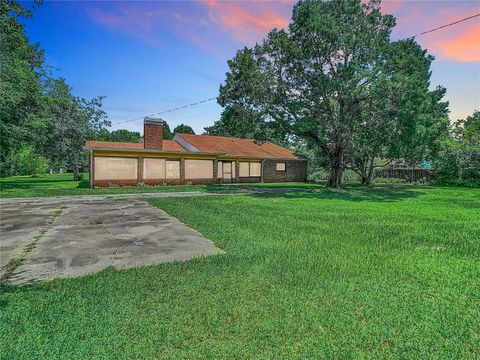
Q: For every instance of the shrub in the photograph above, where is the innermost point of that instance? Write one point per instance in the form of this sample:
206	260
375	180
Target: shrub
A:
459	160
389	180
318	176
30	163
322	175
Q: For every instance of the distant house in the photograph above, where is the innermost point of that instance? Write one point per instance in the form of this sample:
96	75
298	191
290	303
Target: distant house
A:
195	159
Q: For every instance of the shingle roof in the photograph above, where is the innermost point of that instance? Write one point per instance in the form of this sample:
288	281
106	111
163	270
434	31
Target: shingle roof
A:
168	145
237	147
209	144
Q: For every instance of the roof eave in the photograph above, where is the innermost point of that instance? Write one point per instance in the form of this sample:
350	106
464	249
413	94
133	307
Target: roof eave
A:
91	148
149	151
262	157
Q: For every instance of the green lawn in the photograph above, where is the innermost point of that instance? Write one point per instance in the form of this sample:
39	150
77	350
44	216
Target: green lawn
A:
64	185
355	273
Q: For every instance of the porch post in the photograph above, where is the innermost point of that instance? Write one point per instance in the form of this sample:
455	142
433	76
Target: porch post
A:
215	170
182	170
237	170
140	169
91	175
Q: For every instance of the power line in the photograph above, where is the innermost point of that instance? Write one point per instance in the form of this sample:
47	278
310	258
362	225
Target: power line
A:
169	110
213	98
447	25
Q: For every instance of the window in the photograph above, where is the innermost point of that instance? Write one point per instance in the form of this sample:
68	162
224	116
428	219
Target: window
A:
280	166
115	168
220	170
226	167
255	169
250	169
198	169
244	169
161	169
153	168
172	169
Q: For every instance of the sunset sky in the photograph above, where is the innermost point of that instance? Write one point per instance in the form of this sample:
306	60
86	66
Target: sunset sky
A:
146	57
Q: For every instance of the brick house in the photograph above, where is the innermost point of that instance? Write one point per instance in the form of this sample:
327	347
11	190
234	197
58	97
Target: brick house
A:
195	159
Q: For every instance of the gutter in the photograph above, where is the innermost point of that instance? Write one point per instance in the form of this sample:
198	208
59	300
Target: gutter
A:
218	154
89	148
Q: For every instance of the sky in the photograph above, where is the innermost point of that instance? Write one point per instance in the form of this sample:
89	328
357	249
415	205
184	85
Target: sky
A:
147	57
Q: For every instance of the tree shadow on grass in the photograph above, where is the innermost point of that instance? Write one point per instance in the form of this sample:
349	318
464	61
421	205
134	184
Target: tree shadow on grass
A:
350	193
84	184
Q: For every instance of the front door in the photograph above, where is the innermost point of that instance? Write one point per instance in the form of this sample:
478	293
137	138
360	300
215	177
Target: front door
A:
227	172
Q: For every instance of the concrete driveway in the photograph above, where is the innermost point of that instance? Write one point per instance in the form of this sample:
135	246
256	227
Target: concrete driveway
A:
76	238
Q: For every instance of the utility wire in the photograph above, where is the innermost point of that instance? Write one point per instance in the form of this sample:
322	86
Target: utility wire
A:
447	25
213	98
170	110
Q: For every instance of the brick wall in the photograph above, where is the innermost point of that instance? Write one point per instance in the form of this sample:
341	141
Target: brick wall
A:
295	171
153	135
253	179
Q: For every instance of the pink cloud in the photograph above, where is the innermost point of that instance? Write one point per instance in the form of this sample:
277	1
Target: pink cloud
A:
248	21
462	45
460	42
390	6
130	19
208	23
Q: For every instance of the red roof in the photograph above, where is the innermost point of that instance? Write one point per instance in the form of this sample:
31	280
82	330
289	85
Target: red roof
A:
168	145
209	144
171	145
237	147
113	144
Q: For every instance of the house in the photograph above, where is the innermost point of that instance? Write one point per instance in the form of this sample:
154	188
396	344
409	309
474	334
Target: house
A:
190	159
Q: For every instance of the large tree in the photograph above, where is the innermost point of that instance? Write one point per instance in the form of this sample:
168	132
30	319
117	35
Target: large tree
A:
332	79
22	68
247	124
39	115
71	120
183	129
400	118
120	135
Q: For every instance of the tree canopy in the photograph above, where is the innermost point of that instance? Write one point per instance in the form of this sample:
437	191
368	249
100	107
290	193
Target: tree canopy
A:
40	118
120	135
183	129
458	160
336	80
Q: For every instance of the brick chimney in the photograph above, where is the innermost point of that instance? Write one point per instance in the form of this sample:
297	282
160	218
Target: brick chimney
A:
153	133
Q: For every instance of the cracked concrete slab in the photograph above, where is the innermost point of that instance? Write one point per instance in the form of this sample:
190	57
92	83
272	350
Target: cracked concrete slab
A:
18	225
88	237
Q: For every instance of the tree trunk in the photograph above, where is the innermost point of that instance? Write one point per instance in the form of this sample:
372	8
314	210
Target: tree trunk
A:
76	169
367	179
336	168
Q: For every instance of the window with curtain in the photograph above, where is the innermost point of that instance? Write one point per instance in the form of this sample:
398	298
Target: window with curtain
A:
244	169
161	169
255	169
250	169
153	168
220	170
198	169
172	169
115	168
280	166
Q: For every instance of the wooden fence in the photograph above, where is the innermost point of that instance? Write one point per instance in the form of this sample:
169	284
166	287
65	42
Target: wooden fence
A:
408	174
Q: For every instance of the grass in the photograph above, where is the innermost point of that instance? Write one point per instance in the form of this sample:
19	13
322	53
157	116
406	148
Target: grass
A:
65	185
355	273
